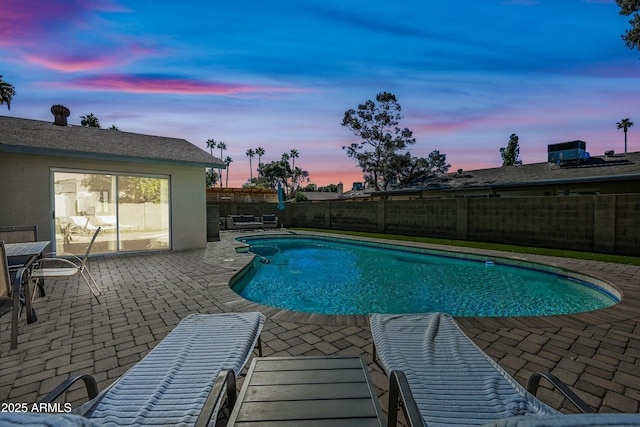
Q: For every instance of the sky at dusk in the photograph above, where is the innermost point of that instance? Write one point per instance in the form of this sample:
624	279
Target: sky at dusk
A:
280	75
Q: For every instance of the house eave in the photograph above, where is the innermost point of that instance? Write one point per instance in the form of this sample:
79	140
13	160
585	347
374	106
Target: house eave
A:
105	156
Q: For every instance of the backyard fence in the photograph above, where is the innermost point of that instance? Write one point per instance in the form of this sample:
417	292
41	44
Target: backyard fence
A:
600	223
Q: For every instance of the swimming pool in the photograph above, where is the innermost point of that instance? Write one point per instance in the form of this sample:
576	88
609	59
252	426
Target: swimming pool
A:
343	276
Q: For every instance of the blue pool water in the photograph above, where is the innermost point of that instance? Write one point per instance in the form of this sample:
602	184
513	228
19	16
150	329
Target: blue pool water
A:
339	276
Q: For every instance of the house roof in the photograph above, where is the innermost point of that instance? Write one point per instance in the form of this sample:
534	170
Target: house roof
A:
45	138
594	169
322	196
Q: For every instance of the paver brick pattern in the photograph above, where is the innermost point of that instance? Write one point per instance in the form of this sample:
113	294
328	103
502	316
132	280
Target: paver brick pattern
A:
146	295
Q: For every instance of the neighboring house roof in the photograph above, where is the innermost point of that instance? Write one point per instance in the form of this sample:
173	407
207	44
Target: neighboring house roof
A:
45	138
322	196
595	169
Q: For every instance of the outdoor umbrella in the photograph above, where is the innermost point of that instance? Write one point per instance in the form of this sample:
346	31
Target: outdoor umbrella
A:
280	197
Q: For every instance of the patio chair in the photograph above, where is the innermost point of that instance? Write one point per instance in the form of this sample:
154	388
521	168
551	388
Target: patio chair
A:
18	234
67	267
443	378
10	292
184	380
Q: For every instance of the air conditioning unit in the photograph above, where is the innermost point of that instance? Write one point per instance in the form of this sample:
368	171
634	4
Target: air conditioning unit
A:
568	152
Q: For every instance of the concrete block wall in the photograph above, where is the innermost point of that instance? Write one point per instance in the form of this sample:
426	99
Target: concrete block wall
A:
314	215
626	234
559	222
362	216
601	223
433	218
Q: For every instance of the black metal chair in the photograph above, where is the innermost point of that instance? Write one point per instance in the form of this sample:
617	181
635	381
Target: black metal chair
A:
11	292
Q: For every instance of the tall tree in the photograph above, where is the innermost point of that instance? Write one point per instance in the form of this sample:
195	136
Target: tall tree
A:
7	92
293	155
90	121
298	176
211	144
250	153
625	124
511	152
227	161
287	166
631	8
260	153
222	146
381	152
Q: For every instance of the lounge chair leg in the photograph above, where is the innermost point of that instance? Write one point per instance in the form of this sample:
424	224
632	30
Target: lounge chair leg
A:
225	378
400	396
89	382
534	381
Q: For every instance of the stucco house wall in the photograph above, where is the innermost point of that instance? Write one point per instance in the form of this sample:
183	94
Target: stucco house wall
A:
30	149
25	193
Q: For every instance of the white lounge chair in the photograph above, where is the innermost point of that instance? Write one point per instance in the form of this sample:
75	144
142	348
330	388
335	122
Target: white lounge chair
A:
445	379
183	380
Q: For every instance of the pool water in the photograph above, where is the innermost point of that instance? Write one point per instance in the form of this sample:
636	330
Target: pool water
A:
339	276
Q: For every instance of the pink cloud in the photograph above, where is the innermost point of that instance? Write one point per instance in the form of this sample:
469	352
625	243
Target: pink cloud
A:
106	57
70	65
149	84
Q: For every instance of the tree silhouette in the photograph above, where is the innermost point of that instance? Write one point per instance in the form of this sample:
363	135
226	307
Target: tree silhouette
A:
90	121
211	144
382	152
222	146
250	153
631	8
511	152
625	124
260	153
228	161
7	92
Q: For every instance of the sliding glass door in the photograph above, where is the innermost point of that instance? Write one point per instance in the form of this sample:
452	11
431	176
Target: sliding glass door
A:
132	211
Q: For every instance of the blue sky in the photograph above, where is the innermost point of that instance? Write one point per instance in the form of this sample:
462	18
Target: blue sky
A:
280	75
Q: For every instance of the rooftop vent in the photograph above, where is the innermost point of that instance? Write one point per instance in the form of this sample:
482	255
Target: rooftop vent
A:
60	112
609	153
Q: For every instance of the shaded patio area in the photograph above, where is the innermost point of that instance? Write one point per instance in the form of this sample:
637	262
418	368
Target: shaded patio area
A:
146	295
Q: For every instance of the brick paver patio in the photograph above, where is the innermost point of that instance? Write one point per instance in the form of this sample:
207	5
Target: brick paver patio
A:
146	295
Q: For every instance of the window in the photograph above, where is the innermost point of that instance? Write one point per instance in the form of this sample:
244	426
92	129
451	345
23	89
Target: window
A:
133	212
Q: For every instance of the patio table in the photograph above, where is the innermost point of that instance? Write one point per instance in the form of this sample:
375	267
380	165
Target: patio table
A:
310	390
33	250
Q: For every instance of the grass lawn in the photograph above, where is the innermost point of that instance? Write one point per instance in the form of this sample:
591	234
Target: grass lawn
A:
591	256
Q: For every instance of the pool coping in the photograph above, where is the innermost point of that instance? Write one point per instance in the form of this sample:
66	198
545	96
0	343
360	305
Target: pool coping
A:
627	308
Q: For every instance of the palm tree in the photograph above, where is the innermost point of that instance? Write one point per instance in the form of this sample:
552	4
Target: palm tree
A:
228	162
293	154
211	144
250	153
260	153
90	121
7	92
222	146
285	164
624	124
